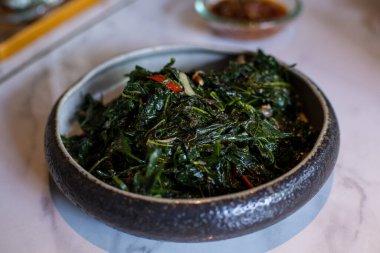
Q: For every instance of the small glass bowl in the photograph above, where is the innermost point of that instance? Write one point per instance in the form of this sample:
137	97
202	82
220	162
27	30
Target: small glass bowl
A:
19	5
246	30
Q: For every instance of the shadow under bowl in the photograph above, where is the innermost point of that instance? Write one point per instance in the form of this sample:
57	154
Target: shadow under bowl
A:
186	220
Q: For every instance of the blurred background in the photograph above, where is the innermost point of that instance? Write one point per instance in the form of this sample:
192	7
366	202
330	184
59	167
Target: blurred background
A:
45	46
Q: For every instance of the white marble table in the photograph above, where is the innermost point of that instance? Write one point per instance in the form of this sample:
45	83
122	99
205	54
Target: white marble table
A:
335	42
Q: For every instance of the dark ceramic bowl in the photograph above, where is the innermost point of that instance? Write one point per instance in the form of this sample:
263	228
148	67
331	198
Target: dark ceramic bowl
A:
203	219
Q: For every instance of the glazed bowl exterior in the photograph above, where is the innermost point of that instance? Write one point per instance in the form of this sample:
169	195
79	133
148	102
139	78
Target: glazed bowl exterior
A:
246	30
203	219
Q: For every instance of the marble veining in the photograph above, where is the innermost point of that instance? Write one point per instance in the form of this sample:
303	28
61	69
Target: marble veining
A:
136	247
352	184
339	50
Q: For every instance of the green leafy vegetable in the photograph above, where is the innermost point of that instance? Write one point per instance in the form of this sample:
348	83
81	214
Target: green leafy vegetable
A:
188	135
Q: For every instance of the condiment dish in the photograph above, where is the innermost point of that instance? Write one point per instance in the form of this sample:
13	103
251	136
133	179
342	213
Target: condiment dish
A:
248	29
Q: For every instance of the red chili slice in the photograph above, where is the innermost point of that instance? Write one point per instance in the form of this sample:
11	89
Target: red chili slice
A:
244	178
247	182
164	80
158	78
174	87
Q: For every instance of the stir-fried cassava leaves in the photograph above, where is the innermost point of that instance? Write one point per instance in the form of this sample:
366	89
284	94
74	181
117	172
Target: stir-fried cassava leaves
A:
178	135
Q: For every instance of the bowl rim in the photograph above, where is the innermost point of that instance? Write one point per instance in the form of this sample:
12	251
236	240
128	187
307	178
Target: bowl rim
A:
76	87
203	11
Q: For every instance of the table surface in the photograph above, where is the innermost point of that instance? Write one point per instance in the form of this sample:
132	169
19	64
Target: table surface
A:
335	42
